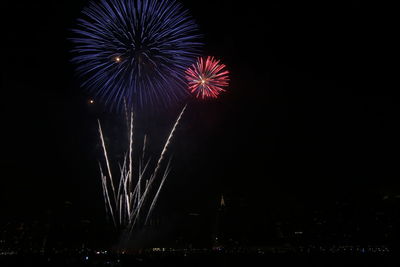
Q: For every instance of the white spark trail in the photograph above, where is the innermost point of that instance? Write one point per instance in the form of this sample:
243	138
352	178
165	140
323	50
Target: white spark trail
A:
130	151
107	162
105	190
153	176
166	172
121	178
126	204
167	143
144	146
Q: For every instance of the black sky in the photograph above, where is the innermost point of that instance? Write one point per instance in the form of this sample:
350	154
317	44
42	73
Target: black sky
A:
308	119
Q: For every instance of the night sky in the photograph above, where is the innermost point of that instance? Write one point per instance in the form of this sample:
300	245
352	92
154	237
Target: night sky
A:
307	120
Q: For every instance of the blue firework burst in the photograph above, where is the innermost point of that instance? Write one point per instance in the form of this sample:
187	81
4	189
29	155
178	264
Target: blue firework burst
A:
135	51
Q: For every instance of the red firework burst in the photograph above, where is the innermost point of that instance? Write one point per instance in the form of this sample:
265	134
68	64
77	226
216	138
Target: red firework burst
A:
207	77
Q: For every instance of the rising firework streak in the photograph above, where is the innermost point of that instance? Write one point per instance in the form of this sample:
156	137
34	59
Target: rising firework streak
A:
126	198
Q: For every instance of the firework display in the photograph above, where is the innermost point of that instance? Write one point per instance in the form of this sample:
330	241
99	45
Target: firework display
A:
135	50
128	198
133	54
207	78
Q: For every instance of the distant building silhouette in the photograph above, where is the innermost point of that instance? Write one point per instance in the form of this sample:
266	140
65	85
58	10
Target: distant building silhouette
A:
219	234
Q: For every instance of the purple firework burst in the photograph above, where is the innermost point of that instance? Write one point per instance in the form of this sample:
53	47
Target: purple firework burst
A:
135	51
